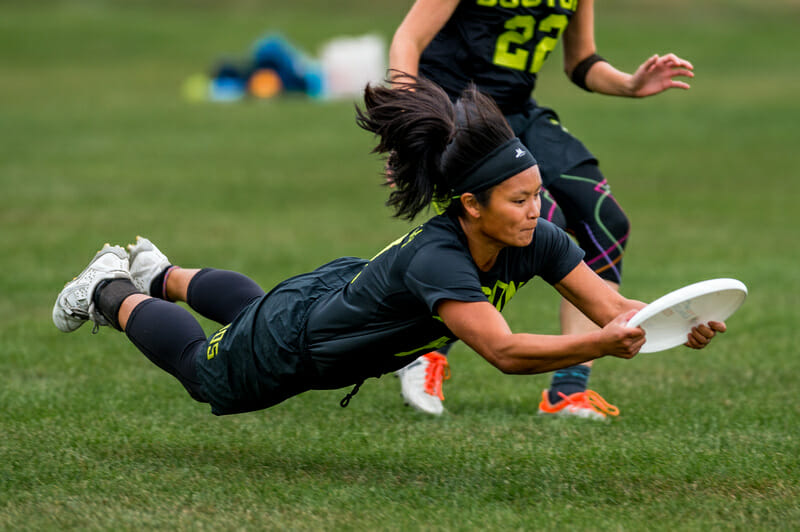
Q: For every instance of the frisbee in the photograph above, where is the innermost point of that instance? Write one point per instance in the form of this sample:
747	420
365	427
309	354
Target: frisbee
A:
668	320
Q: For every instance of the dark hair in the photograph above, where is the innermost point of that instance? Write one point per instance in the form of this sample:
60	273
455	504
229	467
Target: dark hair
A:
430	142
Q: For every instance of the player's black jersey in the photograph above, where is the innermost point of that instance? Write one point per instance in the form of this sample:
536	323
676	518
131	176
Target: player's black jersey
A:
352	319
500	45
386	316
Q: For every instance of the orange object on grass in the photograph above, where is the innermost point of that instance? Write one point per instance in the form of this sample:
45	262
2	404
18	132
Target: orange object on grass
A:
265	83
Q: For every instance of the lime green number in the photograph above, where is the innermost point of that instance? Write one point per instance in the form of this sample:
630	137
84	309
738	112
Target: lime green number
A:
548	43
508	51
520	31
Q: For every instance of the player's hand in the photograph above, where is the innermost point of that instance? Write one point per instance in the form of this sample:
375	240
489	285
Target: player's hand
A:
658	74
620	340
701	335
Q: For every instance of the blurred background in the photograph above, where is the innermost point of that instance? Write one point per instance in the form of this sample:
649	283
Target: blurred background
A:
110	127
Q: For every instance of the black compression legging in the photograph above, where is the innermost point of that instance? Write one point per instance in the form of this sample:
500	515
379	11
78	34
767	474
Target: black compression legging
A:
172	338
580	201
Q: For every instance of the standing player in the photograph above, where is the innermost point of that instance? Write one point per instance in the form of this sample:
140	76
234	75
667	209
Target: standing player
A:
500	45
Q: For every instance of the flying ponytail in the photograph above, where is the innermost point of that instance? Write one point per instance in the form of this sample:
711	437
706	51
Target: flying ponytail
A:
429	141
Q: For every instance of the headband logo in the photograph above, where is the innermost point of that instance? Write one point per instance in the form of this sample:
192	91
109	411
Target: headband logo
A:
495	167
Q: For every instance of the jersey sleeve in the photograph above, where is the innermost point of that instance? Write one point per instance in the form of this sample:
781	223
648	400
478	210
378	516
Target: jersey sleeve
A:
439	273
555	254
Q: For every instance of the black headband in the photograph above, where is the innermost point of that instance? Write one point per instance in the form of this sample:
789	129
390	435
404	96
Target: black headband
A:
508	159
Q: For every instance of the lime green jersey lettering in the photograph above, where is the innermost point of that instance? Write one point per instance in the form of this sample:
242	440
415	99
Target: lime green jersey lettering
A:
510	50
501	293
213	344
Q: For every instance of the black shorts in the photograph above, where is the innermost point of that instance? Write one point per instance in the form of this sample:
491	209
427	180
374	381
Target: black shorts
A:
555	149
260	359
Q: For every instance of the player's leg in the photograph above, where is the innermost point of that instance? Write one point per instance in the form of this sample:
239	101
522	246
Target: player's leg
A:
218	295
588	211
168	335
570	383
601	228
594	217
105	294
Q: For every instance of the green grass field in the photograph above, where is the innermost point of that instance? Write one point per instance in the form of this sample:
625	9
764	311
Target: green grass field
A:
96	145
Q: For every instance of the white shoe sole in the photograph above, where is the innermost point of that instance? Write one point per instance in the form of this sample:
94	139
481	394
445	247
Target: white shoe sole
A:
74	306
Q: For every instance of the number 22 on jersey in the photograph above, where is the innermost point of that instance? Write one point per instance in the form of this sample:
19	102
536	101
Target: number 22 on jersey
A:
510	51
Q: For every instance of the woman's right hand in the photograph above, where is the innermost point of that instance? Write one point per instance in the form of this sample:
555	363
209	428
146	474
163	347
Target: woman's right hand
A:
658	74
622	341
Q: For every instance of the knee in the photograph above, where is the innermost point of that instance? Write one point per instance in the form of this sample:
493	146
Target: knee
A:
616	222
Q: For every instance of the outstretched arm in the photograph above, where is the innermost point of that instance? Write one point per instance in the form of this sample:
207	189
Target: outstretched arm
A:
654	76
485	330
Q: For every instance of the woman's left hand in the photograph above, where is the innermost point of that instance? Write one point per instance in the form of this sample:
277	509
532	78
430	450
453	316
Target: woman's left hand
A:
658	74
701	335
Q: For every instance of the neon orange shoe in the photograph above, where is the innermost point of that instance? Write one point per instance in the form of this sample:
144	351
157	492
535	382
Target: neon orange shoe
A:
421	382
587	404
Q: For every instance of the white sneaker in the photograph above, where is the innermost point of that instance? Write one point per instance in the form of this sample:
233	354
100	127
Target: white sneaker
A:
421	382
75	304
147	262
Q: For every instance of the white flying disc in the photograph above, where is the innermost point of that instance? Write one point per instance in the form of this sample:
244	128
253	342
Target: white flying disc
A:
668	320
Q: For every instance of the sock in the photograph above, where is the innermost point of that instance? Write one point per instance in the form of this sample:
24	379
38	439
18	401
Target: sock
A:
157	284
568	381
109	295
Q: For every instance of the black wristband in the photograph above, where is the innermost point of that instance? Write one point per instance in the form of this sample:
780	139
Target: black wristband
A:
579	72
